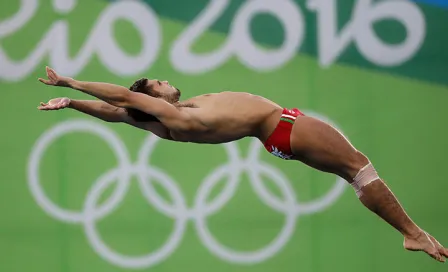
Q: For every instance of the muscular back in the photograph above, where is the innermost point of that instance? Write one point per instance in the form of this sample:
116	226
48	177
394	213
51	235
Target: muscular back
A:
228	116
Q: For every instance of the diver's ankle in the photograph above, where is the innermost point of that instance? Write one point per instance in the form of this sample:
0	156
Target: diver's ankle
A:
413	234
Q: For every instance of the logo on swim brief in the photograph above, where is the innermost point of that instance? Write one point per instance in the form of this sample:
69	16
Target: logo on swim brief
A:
280	154
119	178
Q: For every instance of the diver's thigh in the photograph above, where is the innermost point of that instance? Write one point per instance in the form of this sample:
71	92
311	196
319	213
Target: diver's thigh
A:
321	146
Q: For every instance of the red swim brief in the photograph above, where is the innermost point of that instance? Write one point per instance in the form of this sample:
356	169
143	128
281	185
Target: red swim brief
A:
279	143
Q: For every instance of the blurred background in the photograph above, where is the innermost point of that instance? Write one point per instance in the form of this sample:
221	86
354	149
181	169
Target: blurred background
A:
79	194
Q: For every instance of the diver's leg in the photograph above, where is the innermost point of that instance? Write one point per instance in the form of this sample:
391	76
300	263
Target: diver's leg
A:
321	146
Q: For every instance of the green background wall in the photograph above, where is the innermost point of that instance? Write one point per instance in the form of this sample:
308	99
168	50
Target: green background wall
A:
222	219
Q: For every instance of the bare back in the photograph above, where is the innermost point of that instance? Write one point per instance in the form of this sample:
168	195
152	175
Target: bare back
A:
228	116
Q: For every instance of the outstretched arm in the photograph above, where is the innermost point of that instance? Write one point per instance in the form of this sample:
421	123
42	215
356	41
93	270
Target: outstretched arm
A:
121	97
105	112
98	109
111	93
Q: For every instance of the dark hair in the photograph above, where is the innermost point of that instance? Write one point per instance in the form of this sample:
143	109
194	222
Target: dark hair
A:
140	86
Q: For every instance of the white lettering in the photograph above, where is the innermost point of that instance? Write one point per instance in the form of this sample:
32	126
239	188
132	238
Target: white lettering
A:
181	56
380	53
64	6
360	30
16	22
239	42
288	14
55	42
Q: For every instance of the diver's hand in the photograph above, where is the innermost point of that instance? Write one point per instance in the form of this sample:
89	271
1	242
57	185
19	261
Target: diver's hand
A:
55	104
54	79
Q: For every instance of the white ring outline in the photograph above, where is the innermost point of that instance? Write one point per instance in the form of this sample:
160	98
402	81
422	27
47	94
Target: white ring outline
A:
178	211
59	130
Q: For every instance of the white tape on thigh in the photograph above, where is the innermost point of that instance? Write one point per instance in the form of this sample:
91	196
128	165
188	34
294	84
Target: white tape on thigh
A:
365	176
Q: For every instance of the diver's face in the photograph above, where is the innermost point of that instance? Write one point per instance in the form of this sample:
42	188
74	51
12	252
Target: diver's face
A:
162	89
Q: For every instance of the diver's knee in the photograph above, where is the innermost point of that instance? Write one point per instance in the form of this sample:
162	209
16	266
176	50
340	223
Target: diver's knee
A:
366	174
357	161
